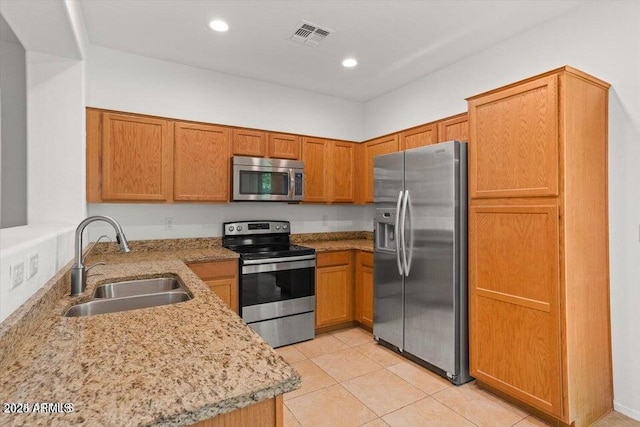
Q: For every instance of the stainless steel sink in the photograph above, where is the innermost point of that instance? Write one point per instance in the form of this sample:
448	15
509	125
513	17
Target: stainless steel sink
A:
114	305
137	287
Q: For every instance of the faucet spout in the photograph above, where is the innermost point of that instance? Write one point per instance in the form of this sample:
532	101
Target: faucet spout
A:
78	271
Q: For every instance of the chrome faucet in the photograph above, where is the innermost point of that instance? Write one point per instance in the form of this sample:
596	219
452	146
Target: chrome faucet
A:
78	271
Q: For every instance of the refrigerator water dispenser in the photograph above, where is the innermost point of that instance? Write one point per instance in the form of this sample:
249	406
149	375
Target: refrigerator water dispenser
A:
385	223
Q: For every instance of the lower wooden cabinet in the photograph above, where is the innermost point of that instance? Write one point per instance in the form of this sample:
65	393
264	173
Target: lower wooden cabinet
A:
334	288
222	279
268	413
364	288
344	289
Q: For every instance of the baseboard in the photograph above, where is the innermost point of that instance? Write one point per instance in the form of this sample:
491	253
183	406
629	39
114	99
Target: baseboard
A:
631	413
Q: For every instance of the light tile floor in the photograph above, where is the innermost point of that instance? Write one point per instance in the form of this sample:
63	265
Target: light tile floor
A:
349	380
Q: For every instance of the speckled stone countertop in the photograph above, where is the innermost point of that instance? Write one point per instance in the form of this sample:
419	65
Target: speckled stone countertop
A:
169	365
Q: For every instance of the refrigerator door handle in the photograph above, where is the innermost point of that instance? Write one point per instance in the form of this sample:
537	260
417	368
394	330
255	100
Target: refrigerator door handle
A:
406	253
398	235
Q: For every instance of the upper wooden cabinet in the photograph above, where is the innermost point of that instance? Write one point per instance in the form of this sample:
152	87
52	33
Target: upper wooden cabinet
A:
375	147
342	158
329	168
284	146
247	142
515	141
419	137
315	154
455	128
539	326
137	158
201	167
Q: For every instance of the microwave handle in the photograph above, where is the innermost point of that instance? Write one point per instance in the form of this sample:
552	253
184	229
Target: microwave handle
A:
292	184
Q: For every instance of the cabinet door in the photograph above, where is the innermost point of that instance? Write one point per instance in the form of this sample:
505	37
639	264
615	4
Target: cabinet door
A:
284	146
376	147
225	288
137	158
419	137
334	288
315	155
454	129
222	278
364	288
247	142
514	135
201	165
514	302
342	171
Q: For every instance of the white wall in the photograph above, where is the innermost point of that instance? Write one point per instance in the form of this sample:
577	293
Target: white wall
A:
128	82
52	244
14	133
55	145
200	220
603	39
56	126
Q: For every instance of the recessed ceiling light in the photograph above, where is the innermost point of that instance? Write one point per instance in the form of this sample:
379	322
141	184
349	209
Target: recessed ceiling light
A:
349	63
218	25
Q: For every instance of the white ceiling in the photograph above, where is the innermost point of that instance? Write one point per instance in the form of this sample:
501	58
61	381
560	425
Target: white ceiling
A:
395	42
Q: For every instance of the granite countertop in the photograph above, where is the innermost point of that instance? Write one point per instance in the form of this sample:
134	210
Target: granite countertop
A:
169	365
340	245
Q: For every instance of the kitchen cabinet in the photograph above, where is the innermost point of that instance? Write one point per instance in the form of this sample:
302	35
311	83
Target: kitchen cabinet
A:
267	413
201	163
222	278
342	171
375	147
538	244
419	136
248	142
137	157
329	170
364	288
315	155
334	288
283	146
455	128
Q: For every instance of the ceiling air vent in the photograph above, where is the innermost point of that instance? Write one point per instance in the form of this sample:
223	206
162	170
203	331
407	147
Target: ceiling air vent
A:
309	34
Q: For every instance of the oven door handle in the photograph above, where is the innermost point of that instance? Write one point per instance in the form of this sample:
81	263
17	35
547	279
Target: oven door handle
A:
276	260
278	266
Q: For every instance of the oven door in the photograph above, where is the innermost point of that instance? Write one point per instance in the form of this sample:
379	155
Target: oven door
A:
277	287
263	183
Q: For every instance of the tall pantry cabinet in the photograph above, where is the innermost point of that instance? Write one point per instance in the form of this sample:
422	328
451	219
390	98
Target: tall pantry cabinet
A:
538	244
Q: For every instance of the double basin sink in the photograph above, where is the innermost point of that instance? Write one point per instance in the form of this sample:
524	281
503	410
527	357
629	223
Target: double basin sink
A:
131	295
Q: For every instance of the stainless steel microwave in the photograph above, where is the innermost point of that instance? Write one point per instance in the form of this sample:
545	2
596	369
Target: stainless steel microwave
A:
267	180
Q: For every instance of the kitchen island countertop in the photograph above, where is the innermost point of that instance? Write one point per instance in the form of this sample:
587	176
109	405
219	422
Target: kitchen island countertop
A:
169	365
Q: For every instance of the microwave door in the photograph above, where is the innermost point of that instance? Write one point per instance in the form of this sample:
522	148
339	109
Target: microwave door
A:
260	183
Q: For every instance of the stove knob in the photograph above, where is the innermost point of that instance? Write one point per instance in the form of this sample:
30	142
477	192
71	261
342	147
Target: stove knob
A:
239	228
284	226
231	228
277	227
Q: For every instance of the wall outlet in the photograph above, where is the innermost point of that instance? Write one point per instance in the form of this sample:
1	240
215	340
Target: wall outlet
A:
325	220
168	223
32	263
17	274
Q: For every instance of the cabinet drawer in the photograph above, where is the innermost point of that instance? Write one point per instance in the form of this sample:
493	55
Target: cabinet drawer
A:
329	259
214	269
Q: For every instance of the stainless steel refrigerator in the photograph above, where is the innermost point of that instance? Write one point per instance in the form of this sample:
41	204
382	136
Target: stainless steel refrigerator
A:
420	256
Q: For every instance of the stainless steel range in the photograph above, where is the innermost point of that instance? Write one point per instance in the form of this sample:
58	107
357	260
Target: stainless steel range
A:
277	280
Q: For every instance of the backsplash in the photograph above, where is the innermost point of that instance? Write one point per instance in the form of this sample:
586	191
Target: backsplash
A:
182	220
